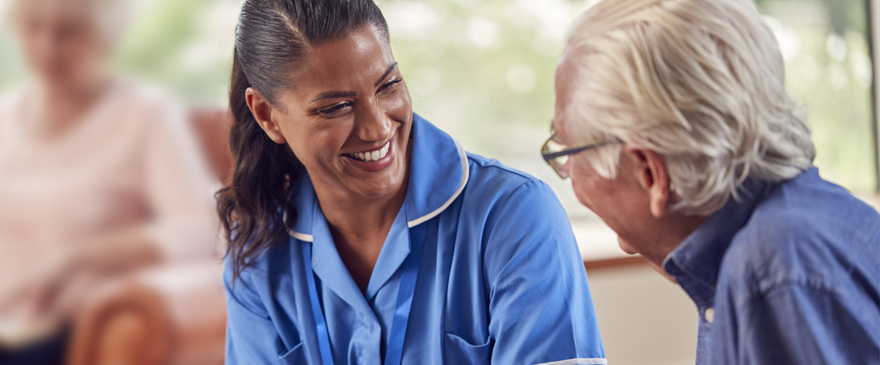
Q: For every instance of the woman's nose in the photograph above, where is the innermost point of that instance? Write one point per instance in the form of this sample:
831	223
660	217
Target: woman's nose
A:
373	125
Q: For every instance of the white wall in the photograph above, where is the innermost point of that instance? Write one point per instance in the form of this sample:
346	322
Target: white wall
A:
644	318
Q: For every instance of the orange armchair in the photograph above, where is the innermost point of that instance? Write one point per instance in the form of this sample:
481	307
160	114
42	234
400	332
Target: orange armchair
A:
165	316
168	315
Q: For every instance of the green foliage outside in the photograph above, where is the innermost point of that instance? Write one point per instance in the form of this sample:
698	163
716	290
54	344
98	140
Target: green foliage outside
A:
483	70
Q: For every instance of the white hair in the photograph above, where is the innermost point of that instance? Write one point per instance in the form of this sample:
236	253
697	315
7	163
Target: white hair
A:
109	16
700	82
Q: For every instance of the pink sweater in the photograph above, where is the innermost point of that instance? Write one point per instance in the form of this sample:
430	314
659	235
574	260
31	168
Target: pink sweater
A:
132	162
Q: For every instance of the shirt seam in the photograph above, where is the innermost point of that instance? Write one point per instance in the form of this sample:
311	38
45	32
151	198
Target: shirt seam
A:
482	164
767	286
819	286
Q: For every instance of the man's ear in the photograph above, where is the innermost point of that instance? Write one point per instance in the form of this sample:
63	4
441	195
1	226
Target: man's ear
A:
652	175
263	112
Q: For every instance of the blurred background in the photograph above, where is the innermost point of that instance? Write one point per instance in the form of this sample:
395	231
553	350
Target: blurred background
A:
483	70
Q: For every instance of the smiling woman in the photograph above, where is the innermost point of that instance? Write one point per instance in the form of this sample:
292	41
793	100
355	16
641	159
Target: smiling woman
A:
360	233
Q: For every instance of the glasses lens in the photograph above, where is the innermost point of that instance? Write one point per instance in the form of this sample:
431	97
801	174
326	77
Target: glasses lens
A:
558	166
552	146
557	163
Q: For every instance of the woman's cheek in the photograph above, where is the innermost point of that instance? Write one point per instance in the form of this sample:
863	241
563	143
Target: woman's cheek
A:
398	105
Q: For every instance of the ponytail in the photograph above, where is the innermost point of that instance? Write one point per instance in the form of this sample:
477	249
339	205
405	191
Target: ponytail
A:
254	209
272	40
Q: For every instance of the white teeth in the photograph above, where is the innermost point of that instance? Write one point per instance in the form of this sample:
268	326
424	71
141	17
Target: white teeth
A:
372	155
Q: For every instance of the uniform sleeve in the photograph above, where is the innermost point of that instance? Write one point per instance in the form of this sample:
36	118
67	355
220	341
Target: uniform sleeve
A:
251	338
179	187
801	324
540	305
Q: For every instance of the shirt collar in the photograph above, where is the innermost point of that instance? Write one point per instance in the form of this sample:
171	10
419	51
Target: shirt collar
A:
696	262
438	172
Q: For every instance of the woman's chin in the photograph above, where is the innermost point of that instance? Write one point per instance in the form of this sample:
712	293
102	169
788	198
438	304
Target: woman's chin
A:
376	189
376	185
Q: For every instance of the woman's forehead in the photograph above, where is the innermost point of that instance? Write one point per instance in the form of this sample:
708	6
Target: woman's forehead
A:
361	57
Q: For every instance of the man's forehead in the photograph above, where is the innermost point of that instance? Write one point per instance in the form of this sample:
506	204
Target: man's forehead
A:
563	93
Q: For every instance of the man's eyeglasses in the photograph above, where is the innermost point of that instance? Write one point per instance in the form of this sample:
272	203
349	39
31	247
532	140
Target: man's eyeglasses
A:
556	154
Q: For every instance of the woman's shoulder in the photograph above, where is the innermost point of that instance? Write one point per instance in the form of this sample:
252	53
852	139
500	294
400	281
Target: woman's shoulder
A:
492	185
491	176
11	104
274	259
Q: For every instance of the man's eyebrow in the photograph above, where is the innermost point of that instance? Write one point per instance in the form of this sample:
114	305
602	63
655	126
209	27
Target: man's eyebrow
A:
388	71
334	94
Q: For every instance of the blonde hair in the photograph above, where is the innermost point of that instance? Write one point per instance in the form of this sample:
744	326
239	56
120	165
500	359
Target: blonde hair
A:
700	82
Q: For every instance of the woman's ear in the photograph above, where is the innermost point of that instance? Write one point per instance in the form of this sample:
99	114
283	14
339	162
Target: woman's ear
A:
652	175
263	112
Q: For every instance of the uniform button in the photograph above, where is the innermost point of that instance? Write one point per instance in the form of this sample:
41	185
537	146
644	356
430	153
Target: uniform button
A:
314	261
709	315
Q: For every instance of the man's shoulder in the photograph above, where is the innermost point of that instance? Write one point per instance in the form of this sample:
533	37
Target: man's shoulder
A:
804	232
809	214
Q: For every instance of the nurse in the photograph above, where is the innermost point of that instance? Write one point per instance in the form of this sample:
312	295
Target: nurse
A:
362	234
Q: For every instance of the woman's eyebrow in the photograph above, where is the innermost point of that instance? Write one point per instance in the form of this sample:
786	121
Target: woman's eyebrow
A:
334	94
349	94
388	71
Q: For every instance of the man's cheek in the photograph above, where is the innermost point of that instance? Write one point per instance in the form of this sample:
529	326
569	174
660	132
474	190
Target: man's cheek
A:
581	191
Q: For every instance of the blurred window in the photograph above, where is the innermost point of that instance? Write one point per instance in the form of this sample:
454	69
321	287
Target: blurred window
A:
825	44
483	70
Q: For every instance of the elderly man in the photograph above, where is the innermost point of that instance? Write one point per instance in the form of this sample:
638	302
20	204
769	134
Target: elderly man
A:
673	123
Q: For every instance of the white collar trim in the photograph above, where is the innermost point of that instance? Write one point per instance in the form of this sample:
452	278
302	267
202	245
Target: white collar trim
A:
464	179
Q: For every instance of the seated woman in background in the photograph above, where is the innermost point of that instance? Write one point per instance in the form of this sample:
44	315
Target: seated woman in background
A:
362	234
98	176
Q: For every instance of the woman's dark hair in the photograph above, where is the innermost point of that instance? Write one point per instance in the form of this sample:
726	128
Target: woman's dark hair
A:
271	42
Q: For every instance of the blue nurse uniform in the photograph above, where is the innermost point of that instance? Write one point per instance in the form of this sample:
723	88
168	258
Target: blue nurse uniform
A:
479	267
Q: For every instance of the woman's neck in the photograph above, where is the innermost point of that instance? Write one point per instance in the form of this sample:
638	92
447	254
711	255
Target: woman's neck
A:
360	225
359	218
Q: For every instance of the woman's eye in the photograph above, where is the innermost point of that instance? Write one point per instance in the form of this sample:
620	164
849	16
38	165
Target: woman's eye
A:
336	110
388	86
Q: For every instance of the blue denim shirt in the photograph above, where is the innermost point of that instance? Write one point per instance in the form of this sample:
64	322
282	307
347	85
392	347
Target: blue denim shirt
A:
789	273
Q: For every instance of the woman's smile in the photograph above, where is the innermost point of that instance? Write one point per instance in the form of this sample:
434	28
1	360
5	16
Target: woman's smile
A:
372	160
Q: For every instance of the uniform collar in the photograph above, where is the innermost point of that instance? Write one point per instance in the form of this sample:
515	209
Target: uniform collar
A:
696	262
438	175
438	172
